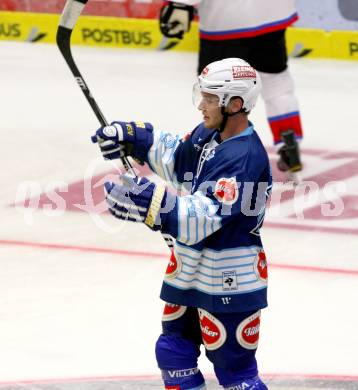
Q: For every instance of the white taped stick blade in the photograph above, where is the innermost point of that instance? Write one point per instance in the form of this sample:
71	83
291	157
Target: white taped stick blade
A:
71	13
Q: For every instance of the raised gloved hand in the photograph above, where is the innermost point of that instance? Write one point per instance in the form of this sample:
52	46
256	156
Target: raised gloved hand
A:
175	19
138	199
121	139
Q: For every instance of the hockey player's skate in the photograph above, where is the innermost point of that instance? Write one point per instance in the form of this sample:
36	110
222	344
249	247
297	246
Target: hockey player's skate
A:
289	160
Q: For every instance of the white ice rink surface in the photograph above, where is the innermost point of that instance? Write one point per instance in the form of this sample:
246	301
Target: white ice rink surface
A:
79	292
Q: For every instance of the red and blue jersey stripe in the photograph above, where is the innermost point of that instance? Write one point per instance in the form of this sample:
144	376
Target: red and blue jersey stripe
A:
250	31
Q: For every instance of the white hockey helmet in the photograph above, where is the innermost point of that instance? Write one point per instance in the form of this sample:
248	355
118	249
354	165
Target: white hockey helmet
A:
228	78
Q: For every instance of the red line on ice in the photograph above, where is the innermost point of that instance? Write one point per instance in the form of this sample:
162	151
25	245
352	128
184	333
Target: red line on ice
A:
330	377
52	246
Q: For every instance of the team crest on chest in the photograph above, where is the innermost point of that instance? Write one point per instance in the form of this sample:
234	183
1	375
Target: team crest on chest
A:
226	190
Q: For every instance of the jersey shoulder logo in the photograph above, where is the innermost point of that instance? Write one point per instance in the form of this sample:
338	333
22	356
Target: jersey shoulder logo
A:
226	190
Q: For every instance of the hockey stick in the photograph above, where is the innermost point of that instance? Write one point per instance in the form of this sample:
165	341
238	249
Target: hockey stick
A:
70	14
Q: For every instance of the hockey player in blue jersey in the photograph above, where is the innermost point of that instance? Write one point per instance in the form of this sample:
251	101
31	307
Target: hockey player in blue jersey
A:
216	281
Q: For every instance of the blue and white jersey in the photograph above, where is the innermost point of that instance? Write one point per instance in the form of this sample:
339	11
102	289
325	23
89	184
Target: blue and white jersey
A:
218	262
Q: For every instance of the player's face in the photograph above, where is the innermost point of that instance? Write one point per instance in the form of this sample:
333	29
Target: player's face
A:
209	107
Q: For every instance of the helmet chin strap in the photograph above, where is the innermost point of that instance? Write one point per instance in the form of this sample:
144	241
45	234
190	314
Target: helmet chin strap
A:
225	115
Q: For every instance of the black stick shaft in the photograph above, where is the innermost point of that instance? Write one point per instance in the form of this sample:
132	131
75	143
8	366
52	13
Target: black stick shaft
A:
63	42
71	12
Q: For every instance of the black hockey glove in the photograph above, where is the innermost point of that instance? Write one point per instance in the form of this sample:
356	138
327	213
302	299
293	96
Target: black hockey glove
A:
175	19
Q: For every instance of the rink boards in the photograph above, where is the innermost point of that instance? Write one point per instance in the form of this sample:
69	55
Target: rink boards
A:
145	34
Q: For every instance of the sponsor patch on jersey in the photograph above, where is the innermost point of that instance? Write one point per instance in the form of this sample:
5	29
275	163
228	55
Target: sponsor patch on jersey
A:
172	311
212	330
174	266
229	280
248	331
261	266
243	72
226	190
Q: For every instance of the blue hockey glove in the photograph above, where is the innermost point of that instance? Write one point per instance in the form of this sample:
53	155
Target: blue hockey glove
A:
175	19
121	139
139	200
